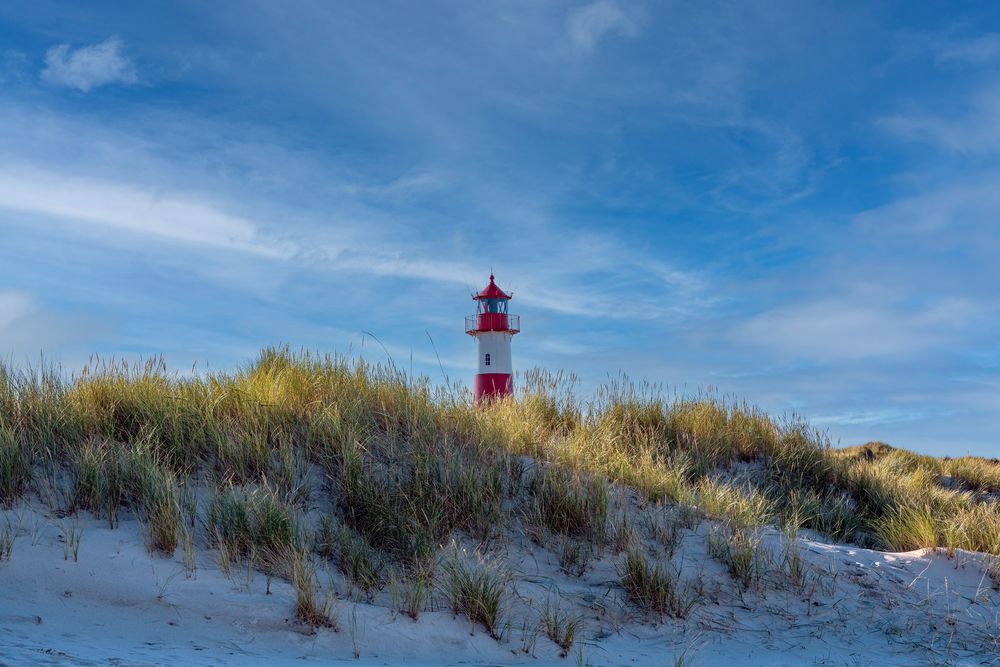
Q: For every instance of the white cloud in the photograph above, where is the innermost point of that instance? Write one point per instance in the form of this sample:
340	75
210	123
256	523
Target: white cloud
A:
563	347
967	123
976	130
589	25
13	306
27	329
856	327
982	49
183	218
960	214
89	67
130	208
534	292
869	417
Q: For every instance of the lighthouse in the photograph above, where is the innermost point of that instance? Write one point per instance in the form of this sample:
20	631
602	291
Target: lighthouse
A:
493	327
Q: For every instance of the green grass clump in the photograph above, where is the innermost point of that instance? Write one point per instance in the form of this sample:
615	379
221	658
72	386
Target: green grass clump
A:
832	512
8	534
411	591
569	504
977	528
716	432
975	473
478	590
254	524
122	402
737	506
407	501
15	466
391	509
96	485
107	477
907	528
308	608
154	488
653	587
561	627
361	563
799	459
739	549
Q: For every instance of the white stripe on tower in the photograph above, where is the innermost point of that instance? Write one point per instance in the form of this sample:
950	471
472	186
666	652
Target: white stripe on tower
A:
494	352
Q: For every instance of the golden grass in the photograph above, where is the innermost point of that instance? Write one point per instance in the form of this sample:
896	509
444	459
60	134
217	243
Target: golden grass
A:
975	473
407	463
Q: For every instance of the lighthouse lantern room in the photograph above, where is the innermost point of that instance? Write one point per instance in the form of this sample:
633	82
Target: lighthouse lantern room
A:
493	327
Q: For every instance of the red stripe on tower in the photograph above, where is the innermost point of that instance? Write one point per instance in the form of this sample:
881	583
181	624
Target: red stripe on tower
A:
493	327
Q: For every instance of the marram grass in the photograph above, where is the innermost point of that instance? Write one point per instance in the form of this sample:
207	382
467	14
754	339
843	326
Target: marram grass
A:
404	464
653	586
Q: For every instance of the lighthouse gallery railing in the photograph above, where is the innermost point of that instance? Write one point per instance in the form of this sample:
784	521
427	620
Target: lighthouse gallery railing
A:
492	322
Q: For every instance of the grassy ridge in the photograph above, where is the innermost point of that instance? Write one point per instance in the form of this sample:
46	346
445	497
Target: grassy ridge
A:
405	465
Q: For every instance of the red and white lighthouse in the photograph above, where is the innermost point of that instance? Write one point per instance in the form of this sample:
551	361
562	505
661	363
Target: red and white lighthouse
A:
493	328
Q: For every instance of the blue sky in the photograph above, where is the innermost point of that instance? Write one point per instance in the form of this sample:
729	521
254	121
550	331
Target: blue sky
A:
795	203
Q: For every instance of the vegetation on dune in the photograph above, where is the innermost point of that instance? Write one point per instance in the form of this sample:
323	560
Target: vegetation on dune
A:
253	525
477	589
975	473
653	587
401	467
15	466
561	627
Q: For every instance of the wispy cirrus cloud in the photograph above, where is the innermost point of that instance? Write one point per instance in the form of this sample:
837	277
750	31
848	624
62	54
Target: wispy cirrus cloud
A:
588	25
130	208
870	417
949	214
975	50
967	120
953	47
857	327
88	67
196	221
13	306
26	327
976	129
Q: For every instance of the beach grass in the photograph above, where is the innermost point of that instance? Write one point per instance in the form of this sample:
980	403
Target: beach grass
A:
401	467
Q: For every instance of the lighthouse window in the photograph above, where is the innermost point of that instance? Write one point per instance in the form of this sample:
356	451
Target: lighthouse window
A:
487	358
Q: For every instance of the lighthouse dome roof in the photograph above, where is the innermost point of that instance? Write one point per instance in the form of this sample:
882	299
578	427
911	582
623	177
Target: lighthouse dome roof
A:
492	291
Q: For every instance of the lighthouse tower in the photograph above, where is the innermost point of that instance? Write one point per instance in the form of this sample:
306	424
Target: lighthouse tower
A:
493	328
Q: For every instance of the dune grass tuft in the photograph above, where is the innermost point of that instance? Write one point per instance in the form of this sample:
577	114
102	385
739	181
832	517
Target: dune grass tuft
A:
15	466
561	627
975	473
569	504
308	608
478	590
740	550
362	565
254	524
653	587
906	528
8	535
410	591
